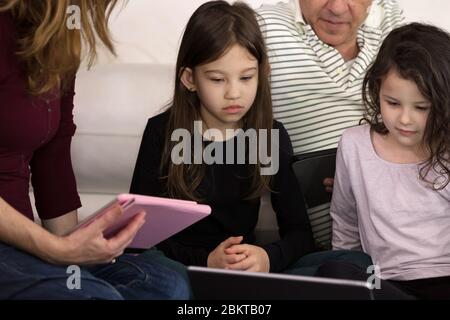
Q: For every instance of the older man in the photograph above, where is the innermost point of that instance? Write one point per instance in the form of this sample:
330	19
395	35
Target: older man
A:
319	51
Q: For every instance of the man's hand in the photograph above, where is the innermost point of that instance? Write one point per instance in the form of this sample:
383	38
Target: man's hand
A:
328	183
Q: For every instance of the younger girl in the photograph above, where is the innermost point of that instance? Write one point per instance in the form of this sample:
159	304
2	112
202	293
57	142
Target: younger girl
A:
392	194
222	83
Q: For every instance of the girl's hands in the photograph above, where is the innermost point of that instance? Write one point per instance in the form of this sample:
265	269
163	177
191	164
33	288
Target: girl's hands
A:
257	259
220	259
233	255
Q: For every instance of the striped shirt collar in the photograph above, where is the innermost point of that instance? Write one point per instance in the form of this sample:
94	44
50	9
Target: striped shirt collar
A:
297	11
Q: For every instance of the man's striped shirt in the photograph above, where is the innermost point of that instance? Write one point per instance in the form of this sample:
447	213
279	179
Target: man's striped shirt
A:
316	94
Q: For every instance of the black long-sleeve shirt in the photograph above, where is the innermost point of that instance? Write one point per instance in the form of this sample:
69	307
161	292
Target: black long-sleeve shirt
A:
225	188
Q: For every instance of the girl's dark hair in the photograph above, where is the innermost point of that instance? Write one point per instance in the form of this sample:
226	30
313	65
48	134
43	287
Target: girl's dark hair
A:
213	29
420	53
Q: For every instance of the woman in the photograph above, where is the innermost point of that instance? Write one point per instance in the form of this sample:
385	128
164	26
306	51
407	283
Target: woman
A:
39	57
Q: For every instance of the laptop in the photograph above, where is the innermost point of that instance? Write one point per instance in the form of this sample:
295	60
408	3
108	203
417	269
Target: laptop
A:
311	169
219	284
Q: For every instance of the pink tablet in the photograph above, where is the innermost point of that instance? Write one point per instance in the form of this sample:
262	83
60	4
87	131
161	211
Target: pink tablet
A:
164	217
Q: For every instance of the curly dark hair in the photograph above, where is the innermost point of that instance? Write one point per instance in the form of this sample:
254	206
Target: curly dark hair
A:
420	53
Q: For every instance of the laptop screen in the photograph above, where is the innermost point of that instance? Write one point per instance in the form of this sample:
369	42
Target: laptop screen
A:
217	284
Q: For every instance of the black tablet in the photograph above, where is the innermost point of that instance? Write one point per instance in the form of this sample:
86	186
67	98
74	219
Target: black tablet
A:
311	169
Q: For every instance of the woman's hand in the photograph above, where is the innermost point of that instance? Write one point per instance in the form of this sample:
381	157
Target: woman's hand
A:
257	259
88	246
220	259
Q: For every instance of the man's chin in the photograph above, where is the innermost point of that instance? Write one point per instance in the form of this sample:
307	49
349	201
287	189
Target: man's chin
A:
333	40
331	37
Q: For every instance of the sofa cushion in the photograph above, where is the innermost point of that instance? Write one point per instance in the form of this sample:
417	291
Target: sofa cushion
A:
113	104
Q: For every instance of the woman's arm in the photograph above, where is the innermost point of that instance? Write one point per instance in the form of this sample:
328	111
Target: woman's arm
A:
19	231
61	225
83	247
52	175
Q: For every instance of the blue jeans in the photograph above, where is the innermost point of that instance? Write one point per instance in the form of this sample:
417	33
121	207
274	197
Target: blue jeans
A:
309	264
25	277
158	256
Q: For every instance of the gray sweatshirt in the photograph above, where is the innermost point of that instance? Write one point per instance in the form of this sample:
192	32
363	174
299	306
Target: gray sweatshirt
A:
384	209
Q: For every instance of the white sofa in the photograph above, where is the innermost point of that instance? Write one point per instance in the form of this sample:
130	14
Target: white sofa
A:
112	105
